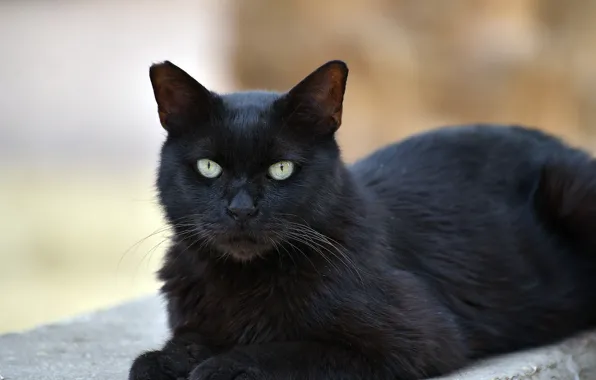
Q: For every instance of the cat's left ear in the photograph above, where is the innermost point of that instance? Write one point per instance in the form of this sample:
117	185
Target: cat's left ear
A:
181	100
316	103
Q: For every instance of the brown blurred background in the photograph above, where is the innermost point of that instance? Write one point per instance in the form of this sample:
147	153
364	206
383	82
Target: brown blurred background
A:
79	135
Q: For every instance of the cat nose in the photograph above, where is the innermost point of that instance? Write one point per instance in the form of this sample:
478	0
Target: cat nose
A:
242	207
242	213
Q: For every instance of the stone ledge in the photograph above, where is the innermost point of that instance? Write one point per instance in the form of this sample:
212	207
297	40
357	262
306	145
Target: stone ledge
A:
102	345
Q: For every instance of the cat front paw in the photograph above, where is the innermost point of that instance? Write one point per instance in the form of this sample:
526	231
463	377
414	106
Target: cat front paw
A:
227	368
154	365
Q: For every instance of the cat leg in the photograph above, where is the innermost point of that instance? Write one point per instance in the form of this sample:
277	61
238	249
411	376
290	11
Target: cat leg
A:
173	362
304	361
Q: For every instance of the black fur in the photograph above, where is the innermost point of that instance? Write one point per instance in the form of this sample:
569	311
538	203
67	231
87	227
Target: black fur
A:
449	246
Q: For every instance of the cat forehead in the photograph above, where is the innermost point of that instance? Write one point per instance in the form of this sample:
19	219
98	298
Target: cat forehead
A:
248	112
245	127
249	99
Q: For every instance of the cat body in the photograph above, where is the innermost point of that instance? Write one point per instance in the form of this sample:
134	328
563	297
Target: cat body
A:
447	247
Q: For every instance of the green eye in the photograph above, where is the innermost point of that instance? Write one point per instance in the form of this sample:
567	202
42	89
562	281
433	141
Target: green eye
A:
208	168
281	170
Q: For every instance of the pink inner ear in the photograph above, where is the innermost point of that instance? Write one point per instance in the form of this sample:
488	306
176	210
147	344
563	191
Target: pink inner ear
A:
330	86
166	102
174	98
323	91
168	98
330	92
176	92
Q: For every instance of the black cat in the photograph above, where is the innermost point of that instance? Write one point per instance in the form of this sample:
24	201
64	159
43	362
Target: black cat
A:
447	247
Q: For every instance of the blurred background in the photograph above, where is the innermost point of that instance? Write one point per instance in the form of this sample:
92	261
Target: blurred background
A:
79	134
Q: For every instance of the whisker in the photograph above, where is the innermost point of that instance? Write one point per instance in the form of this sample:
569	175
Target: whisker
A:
305	256
300	231
139	242
314	246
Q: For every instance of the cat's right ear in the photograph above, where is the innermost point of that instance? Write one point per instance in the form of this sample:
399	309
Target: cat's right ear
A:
315	104
181	100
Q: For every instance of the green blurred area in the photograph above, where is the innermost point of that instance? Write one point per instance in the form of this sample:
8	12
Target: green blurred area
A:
74	242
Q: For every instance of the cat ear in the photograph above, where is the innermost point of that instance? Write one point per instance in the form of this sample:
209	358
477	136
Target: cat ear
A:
317	101
181	100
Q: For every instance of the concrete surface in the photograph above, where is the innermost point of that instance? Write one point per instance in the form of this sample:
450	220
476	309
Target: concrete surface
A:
102	345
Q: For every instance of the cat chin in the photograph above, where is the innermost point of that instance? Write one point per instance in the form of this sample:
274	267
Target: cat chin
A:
245	256
243	252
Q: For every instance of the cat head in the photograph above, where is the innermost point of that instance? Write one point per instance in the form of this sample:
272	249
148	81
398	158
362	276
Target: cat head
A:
242	174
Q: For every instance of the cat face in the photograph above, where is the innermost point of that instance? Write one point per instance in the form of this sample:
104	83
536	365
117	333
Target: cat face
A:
242	174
